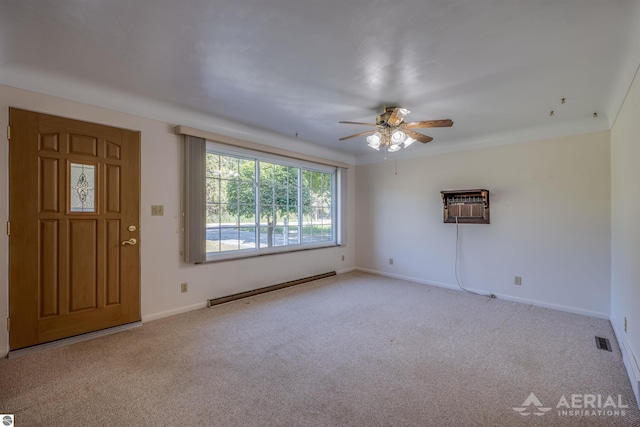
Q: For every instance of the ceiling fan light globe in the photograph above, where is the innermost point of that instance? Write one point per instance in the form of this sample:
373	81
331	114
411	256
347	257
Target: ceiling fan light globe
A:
374	146
393	148
408	141
397	137
374	139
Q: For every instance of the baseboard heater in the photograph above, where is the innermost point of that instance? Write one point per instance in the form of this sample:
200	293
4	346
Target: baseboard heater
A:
234	297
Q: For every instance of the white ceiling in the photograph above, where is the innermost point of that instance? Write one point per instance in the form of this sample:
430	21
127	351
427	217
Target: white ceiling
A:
495	67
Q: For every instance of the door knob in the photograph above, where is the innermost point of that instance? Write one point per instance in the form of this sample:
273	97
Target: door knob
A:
131	242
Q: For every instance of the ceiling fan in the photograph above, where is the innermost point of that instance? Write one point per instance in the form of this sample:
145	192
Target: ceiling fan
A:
393	132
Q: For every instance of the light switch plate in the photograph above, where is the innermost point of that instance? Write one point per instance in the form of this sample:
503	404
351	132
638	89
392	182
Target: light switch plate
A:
157	210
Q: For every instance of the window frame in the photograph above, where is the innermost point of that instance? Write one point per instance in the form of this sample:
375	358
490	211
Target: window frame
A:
302	165
194	192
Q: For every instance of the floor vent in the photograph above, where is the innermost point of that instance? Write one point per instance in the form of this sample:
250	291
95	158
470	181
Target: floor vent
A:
217	301
603	343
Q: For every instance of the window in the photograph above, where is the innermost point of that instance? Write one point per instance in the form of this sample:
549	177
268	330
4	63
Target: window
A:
257	203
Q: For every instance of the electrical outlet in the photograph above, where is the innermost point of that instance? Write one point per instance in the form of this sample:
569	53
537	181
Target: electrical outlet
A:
184	287
390	261
517	280
625	324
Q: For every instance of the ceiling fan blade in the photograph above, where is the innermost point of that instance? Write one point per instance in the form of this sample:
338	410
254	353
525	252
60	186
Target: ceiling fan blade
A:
417	136
359	134
360	123
430	124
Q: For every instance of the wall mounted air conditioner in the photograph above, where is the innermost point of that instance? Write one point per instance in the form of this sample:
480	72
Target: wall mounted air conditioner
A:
466	206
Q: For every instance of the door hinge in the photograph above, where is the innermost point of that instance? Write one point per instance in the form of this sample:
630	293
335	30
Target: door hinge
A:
8	324
8	228
9	133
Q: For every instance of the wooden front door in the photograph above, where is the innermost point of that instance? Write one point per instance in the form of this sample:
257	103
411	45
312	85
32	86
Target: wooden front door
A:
74	210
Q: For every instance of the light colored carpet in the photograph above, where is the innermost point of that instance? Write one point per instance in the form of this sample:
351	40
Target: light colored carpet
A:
350	350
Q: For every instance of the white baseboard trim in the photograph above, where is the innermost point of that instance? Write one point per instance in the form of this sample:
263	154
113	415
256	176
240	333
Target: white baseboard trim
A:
558	307
511	298
633	370
630	362
346	270
180	310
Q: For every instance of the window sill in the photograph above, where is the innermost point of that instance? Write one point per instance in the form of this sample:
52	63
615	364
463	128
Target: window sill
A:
251	253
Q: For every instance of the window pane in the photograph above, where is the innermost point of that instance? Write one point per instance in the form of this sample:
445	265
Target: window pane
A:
266	193
293	216
247	238
222	215
213	213
280	173
264	237
247	215
317	211
293	235
229	239
281	194
213	239
307	234
228	167
293	197
247	169
284	233
212	165
266	172
229	214
240	191
231	190
212	189
281	206
323	233
279	236
268	217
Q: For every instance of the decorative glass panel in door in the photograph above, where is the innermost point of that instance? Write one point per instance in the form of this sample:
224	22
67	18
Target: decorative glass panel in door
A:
82	182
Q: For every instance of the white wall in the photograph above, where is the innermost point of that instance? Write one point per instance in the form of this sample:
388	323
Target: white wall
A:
162	269
550	221
625	227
